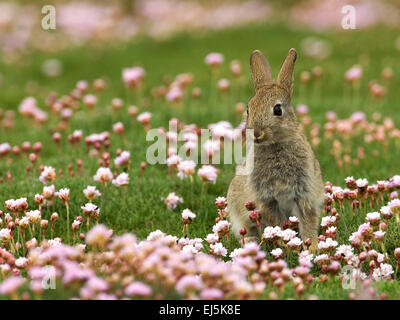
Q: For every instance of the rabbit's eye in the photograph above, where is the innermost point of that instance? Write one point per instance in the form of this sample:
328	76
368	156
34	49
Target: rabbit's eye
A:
277	110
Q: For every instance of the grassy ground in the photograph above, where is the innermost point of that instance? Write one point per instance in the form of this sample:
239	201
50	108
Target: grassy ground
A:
143	211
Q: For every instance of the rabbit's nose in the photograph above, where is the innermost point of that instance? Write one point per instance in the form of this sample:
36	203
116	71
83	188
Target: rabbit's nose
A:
257	133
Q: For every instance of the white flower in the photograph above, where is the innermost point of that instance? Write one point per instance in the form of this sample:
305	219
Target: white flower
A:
293	219
322	258
327	244
103	175
21	262
33	216
295	242
89	209
186	168
383	272
373	217
212	238
218	249
221	226
155	235
362	183
91	193
188	215
328	221
288	234
270	233
172	201
63	194
277	253
48	174
5	235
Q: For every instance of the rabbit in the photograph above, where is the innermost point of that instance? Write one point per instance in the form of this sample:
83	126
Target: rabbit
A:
286	178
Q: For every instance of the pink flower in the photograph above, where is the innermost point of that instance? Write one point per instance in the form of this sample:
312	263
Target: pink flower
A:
214	59
133	77
172	201
144	117
63	194
138	288
103	175
122	180
354	73
211	294
118	128
302	109
218	249
48	174
186	168
174	94
208	173
123	159
99	236
223	84
91	193
11	285
188	216
188	283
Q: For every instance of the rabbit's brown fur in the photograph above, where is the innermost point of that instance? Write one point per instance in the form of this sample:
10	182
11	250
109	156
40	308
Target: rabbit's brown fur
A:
286	178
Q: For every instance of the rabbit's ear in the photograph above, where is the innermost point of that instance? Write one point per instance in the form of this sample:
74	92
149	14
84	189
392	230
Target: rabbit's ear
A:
286	74
260	70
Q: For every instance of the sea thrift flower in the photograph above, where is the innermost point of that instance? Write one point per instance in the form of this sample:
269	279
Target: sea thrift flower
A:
63	194
327	245
212	238
294	243
373	218
221	203
10	286
221	228
353	74
186	169
47	175
90	211
98	236
123	159
118	128
133	77
172	201
103	175
122	180
208	173
271	233
91	193
214	59
188	284
351	183
187	218
138	289
145	118
218	249
277	253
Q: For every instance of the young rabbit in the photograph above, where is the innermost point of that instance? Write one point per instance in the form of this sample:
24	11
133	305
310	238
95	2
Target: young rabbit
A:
286	177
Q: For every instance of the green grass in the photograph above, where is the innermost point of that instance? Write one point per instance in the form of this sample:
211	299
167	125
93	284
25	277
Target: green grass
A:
142	211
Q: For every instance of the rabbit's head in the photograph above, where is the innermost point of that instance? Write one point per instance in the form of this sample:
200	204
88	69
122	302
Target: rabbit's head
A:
269	112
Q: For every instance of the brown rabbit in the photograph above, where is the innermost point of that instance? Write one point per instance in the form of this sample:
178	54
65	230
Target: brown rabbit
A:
286	177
